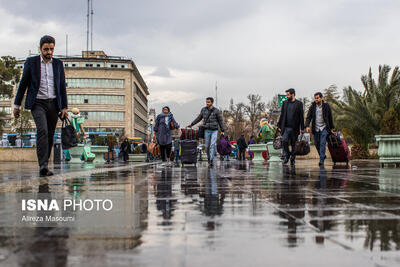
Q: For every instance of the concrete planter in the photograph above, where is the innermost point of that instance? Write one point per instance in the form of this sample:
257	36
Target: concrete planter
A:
99	152
274	154
388	149
258	149
137	157
76	153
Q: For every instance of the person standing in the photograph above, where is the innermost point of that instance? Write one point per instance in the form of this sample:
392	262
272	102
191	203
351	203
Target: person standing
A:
165	122
44	78
320	115
125	149
251	142
242	145
212	118
291	123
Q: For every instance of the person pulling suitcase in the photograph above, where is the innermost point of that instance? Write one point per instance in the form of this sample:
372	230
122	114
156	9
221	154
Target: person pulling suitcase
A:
320	115
212	118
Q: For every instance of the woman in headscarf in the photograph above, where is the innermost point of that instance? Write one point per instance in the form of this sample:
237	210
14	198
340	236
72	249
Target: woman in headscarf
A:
165	122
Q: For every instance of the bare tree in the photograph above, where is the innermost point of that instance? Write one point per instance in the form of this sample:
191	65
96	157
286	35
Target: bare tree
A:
234	118
254	110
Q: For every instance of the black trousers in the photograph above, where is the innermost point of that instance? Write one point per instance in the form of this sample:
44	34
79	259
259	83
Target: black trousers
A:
165	151
45	115
289	136
125	156
242	154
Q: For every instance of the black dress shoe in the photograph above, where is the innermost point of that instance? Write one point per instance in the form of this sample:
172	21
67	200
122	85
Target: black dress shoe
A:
292	162
286	160
45	172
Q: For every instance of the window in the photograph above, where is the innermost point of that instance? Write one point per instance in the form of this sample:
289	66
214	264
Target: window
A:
95	83
96	99
6	110
73	65
140	108
140	121
98	65
103	115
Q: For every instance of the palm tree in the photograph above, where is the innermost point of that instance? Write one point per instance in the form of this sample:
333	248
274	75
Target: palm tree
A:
360	113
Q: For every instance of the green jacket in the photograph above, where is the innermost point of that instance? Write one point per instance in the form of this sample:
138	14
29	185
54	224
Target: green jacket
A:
268	133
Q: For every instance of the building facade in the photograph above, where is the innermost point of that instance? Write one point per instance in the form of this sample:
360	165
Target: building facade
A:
109	92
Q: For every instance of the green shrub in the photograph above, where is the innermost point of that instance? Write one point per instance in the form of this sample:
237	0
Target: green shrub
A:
138	150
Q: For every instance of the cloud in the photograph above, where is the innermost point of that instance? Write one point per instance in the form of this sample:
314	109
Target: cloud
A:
162	72
168	96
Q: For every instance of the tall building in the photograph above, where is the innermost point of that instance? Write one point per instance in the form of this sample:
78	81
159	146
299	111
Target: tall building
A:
109	92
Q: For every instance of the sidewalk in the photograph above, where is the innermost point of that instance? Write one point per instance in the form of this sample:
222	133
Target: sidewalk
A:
235	214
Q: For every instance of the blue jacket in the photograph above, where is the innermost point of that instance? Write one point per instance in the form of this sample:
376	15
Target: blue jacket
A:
162	130
31	79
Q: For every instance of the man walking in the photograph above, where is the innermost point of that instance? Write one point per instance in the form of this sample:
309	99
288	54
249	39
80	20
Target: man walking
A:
44	77
320	114
291	122
212	118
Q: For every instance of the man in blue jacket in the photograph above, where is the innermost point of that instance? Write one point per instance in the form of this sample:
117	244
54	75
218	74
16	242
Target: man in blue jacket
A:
44	78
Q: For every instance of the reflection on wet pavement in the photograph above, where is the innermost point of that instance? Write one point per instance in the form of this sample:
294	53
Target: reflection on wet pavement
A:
236	214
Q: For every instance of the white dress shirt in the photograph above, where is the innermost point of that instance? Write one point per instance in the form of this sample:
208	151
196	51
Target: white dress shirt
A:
46	88
319	121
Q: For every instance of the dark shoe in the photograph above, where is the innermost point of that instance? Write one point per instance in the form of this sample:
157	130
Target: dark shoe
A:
292	162
321	163
285	161
45	172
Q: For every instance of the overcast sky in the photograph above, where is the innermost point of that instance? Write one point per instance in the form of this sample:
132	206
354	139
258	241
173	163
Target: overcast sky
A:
183	47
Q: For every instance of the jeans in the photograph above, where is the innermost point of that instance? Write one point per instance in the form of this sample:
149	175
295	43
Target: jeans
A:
289	136
210	137
177	157
320	143
45	115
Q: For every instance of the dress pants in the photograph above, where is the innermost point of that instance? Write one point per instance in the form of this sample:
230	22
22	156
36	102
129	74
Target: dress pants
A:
289	136
45	115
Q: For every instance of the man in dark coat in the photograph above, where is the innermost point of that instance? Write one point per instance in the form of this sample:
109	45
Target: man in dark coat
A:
125	149
241	143
291	123
46	98
320	115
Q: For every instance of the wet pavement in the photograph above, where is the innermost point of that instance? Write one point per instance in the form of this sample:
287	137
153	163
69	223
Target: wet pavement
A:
235	214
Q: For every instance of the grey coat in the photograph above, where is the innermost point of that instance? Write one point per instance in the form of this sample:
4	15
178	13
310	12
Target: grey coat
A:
213	121
163	133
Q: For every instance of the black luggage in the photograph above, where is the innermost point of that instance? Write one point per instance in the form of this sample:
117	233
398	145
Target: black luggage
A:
189	134
188	152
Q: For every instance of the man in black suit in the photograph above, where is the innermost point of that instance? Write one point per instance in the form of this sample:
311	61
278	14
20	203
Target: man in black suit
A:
44	77
291	123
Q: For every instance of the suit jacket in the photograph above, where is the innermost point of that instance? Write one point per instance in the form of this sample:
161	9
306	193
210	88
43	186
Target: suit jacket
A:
31	79
326	114
298	116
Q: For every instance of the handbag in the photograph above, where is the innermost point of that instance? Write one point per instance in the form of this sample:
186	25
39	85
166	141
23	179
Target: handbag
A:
202	128
69	137
302	147
277	144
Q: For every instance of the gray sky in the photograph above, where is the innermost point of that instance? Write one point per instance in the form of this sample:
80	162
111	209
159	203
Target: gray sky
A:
183	47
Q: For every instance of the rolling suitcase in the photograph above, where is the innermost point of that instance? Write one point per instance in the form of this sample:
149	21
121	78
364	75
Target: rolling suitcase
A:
188	152
339	153
189	134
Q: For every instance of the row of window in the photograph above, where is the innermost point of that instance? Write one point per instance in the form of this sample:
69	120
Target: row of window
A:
140	108
140	121
6	110
139	93
95	65
95	83
96	99
103	115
